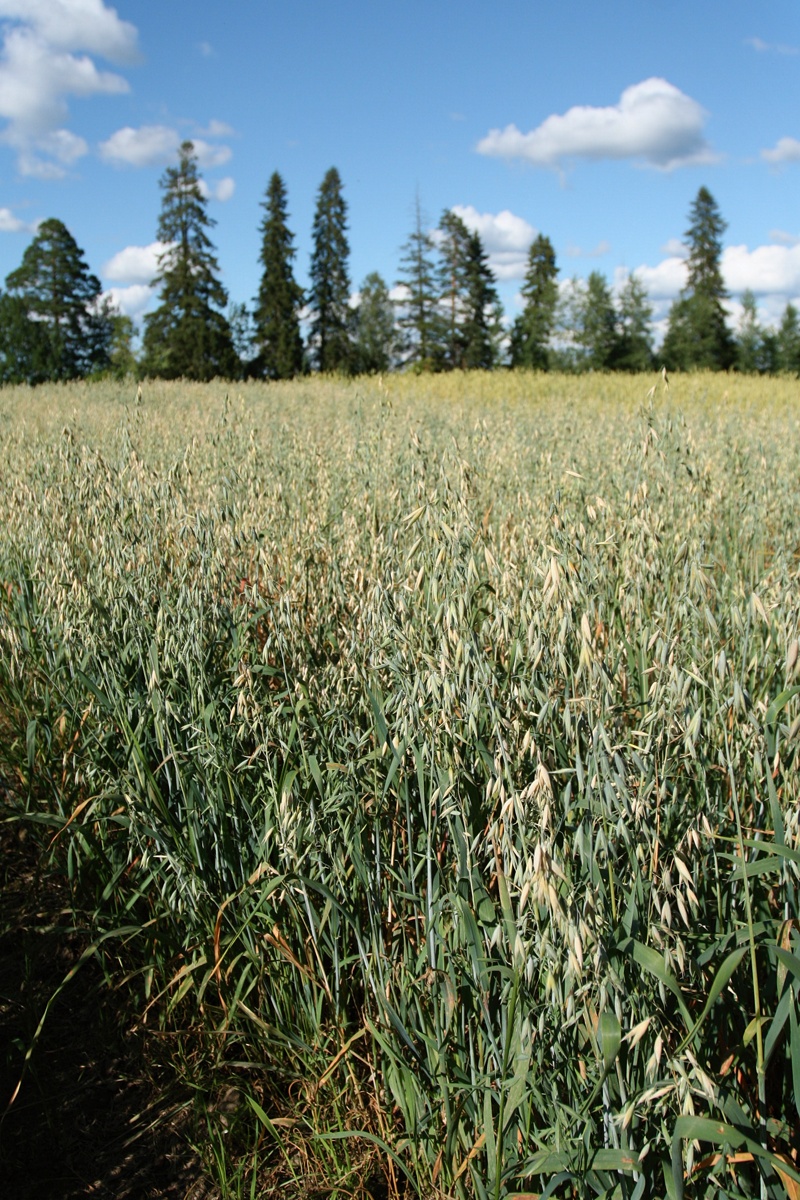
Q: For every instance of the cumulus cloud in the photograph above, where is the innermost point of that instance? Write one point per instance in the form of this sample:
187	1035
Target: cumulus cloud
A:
654	122
665	280
10	223
771	272
133	301
45	60
506	238
148	146
77	25
223	190
135	264
786	149
157	145
765	270
675	248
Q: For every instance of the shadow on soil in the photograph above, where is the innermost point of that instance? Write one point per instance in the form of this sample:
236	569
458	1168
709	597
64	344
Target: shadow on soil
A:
89	1120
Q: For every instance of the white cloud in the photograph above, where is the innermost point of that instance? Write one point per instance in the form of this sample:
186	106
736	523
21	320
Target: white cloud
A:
210	156
506	238
43	63
77	25
786	149
772	272
783	238
675	248
157	145
135	264
654	121
223	190
148	146
9	223
665	280
599	250
763	47
217	129
132	301
765	270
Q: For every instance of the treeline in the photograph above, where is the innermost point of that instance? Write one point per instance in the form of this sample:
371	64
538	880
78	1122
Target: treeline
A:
443	313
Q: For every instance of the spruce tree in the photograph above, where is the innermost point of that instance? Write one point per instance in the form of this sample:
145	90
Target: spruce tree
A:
329	296
533	328
188	335
454	251
481	328
419	320
280	298
55	290
374	327
698	335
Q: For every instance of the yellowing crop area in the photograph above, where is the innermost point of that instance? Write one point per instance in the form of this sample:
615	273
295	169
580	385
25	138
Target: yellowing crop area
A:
434	741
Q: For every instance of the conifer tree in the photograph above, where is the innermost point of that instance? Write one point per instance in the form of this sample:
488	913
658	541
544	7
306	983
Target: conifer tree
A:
188	335
419	319
749	337
329	296
597	324
454	251
533	328
788	341
374	327
481	328
634	349
280	298
698	335
56	292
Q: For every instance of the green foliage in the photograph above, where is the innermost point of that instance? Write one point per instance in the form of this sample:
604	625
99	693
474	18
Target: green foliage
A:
54	291
698	335
375	338
596	327
187	336
329	295
534	327
24	344
280	298
419	320
469	308
440	757
788	341
634	346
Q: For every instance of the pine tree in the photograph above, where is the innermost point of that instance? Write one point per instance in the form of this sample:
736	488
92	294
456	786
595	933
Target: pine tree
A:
188	335
634	351
280	298
329	296
57	292
419	319
374	327
533	328
24	345
698	335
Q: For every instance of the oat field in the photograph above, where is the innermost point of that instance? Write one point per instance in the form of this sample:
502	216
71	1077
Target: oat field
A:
428	747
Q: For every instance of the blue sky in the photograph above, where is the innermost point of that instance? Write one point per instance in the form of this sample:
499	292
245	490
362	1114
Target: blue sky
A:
593	123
